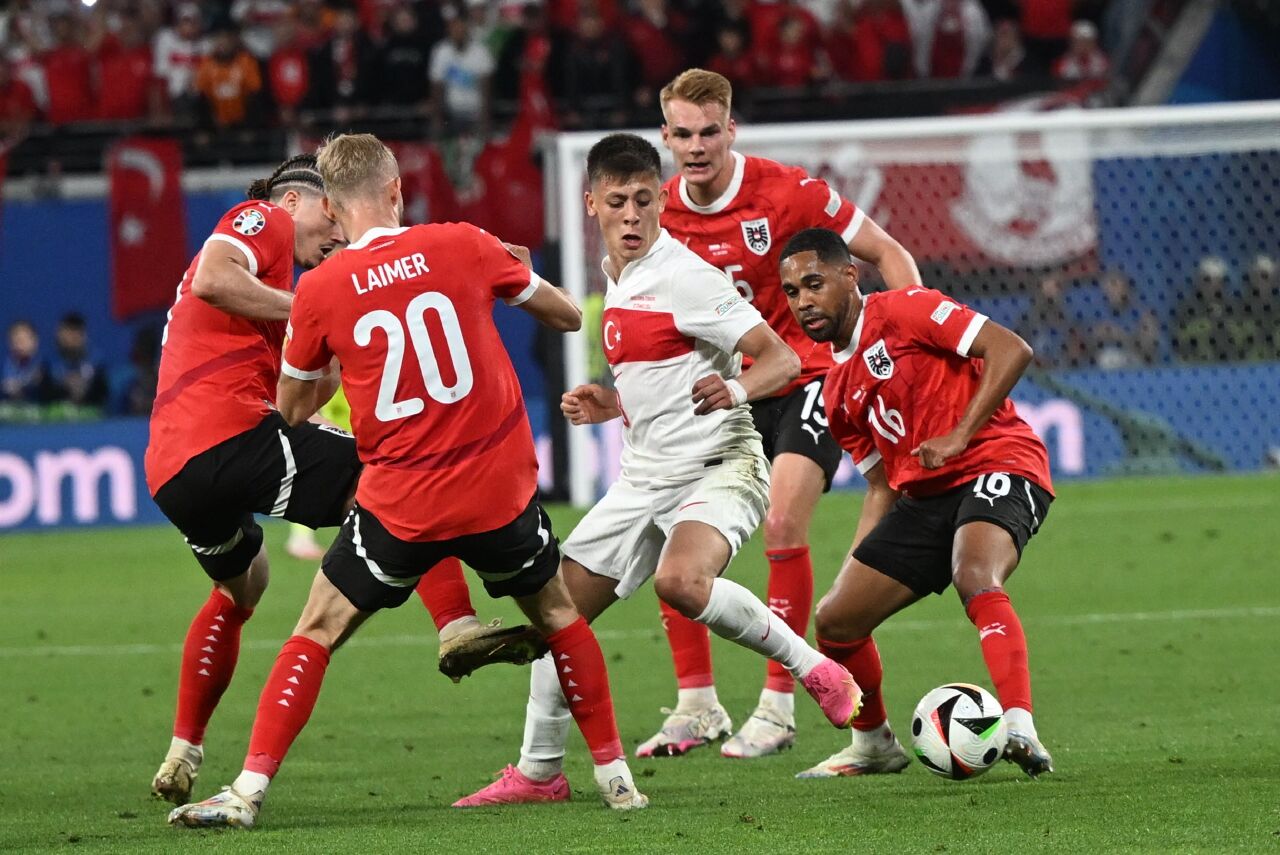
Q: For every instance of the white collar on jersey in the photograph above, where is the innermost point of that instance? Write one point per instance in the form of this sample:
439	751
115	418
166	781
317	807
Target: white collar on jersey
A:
660	243
847	354
375	233
726	198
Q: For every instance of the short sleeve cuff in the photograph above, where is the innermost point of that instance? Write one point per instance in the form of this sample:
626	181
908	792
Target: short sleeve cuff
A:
852	229
868	463
299	374
535	282
240	245
970	333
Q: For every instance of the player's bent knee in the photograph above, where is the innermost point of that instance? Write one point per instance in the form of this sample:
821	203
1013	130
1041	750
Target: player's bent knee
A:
685	593
784	529
835	622
970	580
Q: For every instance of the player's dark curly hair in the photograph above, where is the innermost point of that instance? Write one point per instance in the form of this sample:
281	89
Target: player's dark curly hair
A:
829	246
622	156
297	173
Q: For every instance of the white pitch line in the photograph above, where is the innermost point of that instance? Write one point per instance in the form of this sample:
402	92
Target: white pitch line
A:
428	640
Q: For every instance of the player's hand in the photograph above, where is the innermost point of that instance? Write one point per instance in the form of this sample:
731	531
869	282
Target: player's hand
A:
711	394
590	404
520	252
933	453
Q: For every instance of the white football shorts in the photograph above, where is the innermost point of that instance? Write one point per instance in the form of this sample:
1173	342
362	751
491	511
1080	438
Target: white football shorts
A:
622	536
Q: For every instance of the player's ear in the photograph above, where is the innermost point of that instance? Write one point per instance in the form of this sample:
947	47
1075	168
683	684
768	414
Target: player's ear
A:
666	136
731	128
590	202
330	210
289	201
851	275
662	199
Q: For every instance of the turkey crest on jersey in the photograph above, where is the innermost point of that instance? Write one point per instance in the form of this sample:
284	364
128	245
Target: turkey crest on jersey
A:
756	234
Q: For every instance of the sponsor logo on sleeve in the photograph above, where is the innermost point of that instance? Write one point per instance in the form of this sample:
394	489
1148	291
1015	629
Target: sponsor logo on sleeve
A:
724	307
833	204
944	310
249	222
879	363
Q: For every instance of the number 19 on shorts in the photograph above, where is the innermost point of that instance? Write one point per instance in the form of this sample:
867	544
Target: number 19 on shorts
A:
388	409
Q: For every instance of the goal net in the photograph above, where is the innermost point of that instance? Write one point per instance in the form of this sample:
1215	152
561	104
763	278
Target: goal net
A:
1135	249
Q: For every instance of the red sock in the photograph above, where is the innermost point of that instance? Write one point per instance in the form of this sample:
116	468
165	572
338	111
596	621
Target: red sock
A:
862	660
585	682
286	703
208	660
445	594
1003	646
690	643
790	598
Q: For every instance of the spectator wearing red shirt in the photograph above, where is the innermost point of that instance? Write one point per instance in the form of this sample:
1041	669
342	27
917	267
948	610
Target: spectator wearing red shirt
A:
123	68
68	71
1046	27
869	42
767	22
732	59
657	36
1084	60
793	63
949	37
17	106
288	70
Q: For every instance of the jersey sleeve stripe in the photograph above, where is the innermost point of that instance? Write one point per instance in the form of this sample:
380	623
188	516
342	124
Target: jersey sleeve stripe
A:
970	333
535	281
868	463
298	373
240	245
856	223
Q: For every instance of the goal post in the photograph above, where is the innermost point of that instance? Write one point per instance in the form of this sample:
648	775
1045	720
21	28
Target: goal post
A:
1095	234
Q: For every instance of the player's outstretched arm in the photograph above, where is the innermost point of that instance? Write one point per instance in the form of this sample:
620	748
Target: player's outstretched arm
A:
590	404
553	308
299	400
1004	357
774	365
874	244
222	279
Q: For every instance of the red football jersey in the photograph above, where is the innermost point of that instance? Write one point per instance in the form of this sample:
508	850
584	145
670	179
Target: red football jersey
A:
907	377
743	233
436	408
218	372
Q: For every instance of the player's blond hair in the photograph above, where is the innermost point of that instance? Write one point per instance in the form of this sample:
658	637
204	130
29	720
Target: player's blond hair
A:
699	87
355	166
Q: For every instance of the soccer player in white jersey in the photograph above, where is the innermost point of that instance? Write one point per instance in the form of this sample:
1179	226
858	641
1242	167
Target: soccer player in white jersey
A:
694	477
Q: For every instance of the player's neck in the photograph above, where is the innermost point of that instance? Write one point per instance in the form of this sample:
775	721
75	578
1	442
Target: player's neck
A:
844	336
359	223
705	194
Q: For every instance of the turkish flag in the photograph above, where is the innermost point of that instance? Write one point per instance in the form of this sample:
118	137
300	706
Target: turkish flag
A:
148	224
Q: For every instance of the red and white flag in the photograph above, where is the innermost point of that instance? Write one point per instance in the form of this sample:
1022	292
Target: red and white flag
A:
148	224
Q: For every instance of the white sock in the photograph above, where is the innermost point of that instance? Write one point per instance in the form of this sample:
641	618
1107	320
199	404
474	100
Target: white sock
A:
735	613
694	700
180	749
880	737
606	772
1020	720
783	702
546	723
250	783
451	629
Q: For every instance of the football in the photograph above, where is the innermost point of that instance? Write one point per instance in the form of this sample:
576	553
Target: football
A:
958	731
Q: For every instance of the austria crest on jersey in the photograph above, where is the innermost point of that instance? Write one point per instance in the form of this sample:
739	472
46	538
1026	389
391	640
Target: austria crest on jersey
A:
756	234
878	360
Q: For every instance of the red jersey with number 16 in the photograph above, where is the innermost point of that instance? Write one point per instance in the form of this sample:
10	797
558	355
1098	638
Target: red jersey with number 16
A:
743	233
218	372
907	376
436	408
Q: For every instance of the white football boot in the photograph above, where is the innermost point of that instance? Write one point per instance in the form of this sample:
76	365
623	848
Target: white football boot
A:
769	730
876	752
685	730
228	809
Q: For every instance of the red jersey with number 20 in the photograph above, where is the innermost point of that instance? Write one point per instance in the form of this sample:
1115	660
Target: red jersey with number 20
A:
218	371
436	408
743	233
907	376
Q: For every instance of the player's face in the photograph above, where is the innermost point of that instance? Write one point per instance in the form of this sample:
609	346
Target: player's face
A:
628	211
315	234
699	136
823	297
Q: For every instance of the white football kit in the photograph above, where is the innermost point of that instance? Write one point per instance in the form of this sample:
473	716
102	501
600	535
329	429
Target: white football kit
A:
670	320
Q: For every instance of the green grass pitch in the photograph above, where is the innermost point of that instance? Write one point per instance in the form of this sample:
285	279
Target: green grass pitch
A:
1152	610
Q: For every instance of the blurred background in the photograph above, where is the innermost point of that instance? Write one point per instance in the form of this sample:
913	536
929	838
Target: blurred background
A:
1142	270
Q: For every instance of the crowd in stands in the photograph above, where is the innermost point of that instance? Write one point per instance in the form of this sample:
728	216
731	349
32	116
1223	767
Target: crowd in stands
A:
260	62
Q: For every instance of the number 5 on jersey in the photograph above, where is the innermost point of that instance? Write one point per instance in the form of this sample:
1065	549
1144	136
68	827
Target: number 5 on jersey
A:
388	409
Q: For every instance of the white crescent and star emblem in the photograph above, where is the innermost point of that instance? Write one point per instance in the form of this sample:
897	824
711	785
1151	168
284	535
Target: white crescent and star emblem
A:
612	336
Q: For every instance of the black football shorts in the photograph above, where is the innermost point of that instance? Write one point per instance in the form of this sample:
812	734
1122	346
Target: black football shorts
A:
305	474
796	423
374	569
912	544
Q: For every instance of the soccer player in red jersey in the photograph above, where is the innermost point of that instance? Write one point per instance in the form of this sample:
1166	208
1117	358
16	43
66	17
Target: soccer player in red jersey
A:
736	212
450	468
957	482
219	452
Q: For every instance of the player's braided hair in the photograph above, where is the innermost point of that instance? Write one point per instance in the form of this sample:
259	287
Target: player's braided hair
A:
297	173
